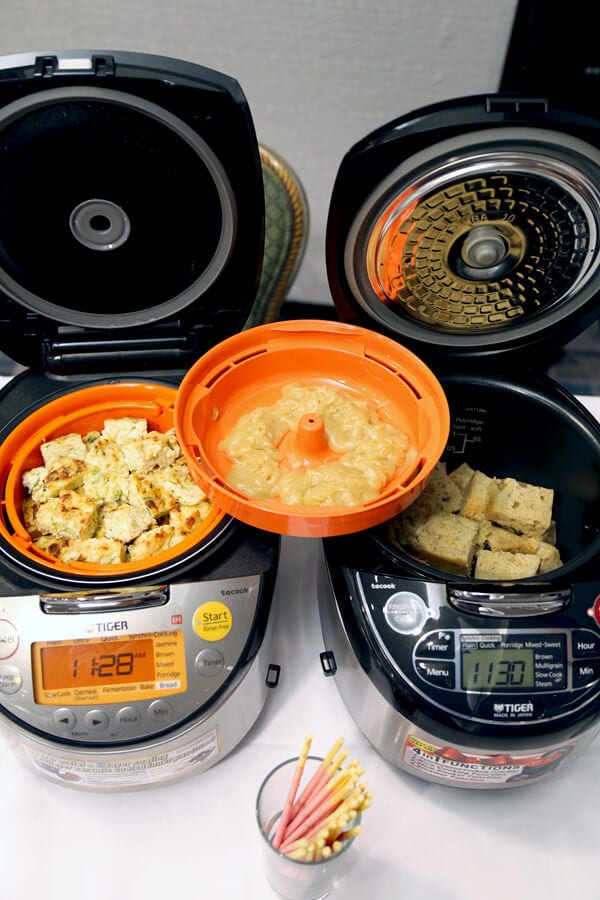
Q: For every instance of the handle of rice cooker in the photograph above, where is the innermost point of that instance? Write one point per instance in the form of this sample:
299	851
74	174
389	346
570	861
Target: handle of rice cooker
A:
504	603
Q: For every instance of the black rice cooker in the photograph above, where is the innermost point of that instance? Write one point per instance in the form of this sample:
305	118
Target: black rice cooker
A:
131	237
468	231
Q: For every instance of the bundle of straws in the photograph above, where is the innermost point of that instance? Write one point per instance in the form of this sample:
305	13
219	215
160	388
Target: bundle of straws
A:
316	821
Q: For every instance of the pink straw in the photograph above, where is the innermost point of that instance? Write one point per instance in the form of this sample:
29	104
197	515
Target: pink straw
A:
291	796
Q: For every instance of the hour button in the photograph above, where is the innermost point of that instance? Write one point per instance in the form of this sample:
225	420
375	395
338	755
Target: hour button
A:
585	643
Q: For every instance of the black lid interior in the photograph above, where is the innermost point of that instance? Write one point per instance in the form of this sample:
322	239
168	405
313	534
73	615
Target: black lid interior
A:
131	210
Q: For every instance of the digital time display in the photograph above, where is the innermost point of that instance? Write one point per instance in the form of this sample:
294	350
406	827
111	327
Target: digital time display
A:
90	671
82	665
505	669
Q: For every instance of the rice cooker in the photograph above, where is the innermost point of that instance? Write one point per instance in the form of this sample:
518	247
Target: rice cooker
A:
131	230
468	231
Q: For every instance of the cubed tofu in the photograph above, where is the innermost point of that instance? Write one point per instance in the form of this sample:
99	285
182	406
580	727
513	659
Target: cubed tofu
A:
33	479
127	428
186	518
106	455
179	482
151	491
477	496
93	550
447	541
151	542
66	475
524	508
68	515
500	565
125	522
70	445
106	486
154	450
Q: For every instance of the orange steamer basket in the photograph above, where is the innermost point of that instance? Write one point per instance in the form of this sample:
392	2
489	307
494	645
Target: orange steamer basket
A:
250	370
82	411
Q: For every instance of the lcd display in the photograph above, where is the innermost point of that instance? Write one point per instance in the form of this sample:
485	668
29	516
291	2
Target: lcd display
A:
495	668
82	665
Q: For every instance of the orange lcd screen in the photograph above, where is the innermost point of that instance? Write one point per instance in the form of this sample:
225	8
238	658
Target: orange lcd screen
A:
79	665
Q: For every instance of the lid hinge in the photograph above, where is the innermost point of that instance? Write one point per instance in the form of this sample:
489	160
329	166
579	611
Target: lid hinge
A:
49	66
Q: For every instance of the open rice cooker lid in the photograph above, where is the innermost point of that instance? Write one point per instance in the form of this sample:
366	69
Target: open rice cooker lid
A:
470	229
131	211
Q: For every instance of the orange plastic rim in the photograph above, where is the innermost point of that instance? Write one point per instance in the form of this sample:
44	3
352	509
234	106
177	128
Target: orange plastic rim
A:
251	368
82	411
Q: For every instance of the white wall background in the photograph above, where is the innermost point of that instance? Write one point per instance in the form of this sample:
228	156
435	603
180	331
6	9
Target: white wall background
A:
318	74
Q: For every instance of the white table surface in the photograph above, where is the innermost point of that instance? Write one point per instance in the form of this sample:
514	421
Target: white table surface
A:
196	838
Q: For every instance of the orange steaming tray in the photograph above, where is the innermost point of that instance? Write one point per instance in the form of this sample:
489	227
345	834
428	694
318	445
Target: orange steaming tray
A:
82	411
250	369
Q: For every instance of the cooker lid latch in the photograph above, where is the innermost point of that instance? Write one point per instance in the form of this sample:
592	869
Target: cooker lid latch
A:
49	66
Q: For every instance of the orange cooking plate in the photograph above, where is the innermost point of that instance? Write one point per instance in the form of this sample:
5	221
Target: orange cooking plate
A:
250	369
81	411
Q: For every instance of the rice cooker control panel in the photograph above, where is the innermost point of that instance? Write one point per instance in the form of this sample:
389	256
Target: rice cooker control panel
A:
125	665
531	668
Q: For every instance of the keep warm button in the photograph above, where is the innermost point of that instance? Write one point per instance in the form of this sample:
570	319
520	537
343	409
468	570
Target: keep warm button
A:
438	673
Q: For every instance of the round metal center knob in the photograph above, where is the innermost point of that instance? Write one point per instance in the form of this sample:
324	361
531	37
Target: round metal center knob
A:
484	247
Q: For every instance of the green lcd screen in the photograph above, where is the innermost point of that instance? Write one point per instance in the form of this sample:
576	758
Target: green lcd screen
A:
497	669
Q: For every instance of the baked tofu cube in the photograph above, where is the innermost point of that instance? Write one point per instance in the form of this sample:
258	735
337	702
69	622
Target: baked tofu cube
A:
154	450
178	480
447	541
33	479
524	508
101	551
127	428
106	455
500	565
150	491
150	542
125	522
549	557
68	515
106	486
186	518
69	445
492	537
477	496
66	475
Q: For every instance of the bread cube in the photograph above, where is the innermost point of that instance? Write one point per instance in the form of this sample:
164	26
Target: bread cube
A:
500	565
106	455
549	557
477	496
127	428
492	537
521	507
154	450
447	541
462	475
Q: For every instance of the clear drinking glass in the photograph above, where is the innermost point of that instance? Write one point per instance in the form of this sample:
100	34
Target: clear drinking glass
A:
291	878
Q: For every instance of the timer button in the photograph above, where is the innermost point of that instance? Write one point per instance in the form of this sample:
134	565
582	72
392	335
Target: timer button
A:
209	662
585	673
585	643
64	719
10	680
160	711
436	645
441	674
405	612
96	720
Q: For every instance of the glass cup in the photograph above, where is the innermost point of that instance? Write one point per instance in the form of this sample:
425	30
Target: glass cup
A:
294	879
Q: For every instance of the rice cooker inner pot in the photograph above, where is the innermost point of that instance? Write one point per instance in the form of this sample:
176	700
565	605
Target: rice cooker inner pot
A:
534	431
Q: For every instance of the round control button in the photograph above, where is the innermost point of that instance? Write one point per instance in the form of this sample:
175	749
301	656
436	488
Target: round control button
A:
209	662
64	719
596	610
405	612
9	639
128	718
10	680
160	711
96	720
